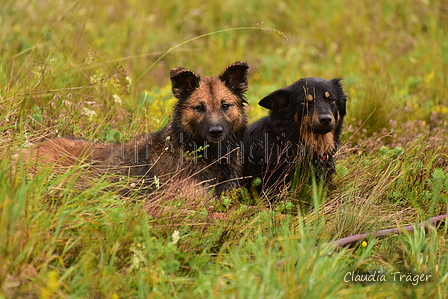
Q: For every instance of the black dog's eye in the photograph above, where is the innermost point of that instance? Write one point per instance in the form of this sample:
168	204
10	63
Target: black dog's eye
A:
200	108
327	97
225	106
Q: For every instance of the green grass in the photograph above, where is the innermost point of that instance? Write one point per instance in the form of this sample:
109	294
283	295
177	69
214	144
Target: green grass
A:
100	70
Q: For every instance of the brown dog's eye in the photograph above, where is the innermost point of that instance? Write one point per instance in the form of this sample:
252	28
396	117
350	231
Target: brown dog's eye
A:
200	108
225	106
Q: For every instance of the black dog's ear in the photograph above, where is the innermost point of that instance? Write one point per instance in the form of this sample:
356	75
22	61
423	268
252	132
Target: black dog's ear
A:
184	82
342	96
276	100
235	77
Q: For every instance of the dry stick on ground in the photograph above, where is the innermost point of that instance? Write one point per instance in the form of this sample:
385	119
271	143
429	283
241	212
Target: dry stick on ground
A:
351	241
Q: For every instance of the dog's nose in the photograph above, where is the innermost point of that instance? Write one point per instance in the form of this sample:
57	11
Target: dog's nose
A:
215	132
325	119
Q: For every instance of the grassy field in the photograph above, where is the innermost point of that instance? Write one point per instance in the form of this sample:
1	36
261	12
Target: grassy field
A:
99	70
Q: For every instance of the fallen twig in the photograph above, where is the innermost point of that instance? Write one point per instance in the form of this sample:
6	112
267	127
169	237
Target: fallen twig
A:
351	241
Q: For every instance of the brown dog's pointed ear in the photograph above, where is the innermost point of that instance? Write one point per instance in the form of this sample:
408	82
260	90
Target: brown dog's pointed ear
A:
184	82
235	77
276	100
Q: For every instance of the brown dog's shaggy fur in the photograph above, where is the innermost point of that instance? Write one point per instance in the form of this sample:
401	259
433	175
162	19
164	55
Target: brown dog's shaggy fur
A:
198	150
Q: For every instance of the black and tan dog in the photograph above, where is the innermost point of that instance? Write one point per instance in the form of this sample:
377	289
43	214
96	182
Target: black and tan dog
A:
302	129
197	150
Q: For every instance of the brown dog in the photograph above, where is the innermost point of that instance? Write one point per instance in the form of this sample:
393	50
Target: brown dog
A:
199	149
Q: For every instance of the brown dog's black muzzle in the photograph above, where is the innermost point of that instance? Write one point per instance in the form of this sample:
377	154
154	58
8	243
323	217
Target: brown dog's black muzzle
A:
215	133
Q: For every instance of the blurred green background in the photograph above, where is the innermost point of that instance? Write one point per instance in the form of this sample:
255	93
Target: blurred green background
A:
391	54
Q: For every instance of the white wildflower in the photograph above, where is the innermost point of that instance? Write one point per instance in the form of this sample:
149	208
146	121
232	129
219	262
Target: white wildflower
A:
89	113
156	182
117	99
175	237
